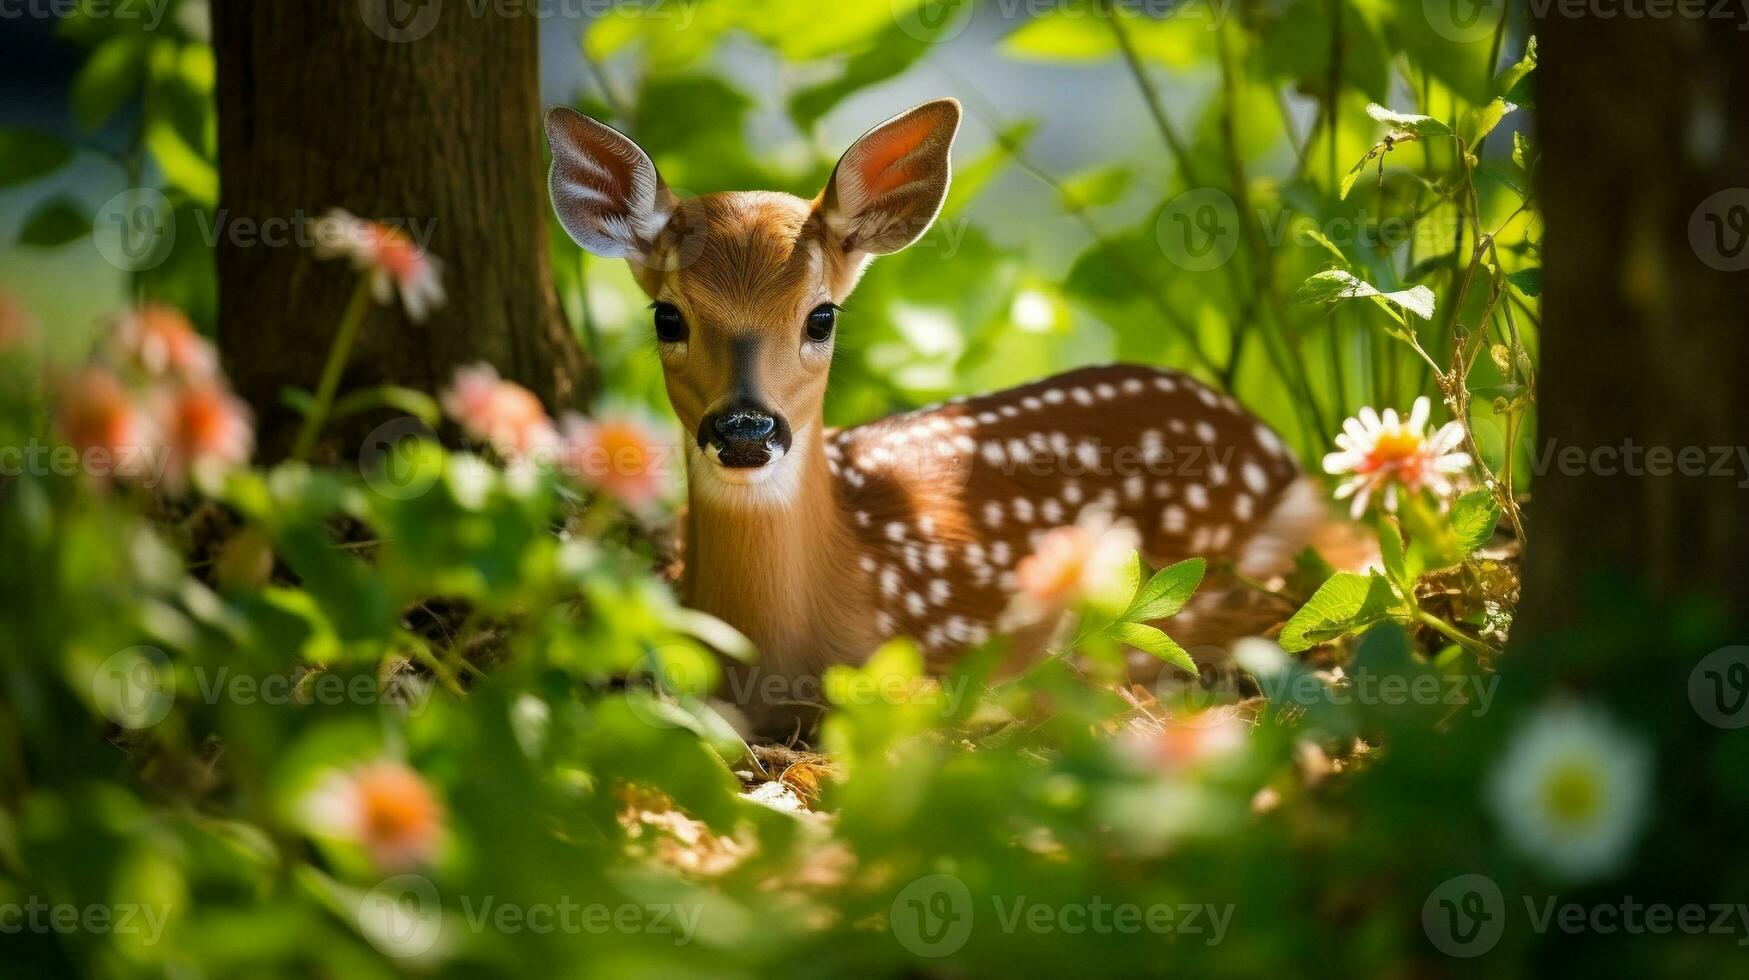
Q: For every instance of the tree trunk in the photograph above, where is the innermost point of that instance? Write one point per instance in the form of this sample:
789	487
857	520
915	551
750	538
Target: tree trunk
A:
1643	129
432	123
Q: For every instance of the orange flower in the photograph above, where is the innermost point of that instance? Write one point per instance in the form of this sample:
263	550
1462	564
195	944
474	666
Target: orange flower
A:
385	807
620	454
500	412
394	262
161	341
207	429
96	415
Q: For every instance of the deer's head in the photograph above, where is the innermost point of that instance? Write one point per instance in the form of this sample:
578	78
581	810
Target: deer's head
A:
746	285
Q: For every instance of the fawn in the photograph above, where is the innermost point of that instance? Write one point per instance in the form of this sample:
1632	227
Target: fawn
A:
821	544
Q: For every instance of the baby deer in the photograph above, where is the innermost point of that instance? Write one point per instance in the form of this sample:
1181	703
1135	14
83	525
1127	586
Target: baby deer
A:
820	544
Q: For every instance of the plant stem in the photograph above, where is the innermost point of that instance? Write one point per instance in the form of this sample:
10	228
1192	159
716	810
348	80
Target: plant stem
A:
338	354
1454	634
1180	155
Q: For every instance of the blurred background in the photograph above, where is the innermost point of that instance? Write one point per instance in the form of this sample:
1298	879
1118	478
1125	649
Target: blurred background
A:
1084	151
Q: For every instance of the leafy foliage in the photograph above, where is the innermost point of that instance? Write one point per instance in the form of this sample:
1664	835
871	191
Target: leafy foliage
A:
185	679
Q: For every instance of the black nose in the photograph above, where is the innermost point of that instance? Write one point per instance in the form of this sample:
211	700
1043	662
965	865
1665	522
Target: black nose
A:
744	427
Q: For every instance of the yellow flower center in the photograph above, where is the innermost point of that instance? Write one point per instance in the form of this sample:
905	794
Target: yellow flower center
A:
1573	794
1395	447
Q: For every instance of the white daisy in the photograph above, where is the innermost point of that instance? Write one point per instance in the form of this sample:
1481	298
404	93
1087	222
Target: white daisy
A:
1391	452
1572	790
394	262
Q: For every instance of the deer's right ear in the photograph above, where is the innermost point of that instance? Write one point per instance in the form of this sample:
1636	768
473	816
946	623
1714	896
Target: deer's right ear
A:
605	190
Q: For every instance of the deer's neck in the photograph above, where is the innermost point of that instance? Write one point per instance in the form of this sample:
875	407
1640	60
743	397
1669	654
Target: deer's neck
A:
777	560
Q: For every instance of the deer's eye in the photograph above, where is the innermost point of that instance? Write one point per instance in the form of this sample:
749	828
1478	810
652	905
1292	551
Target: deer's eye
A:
670	325
821	321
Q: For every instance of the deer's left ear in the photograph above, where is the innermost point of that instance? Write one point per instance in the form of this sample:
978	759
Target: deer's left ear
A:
889	186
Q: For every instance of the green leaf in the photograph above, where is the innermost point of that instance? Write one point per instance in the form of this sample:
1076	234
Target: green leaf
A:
56	222
1078	33
1478	122
1095	187
26	155
1391	552
415	403
1473	517
893	51
1149	639
1408	122
1529	281
1349	178
1333	285
1512	75
182	164
1167	592
109	78
1317	237
1513	84
1346	603
1521	150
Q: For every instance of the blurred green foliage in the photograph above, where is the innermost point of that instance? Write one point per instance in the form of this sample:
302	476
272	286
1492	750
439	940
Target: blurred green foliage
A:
490	654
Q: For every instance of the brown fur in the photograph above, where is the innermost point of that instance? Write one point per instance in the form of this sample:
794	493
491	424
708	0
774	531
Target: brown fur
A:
884	530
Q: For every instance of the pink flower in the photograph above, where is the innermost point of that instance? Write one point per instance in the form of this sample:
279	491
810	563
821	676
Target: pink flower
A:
17	328
208	430
1186	741
394	262
386	807
161	341
1076	563
1389	452
98	417
499	412
621	454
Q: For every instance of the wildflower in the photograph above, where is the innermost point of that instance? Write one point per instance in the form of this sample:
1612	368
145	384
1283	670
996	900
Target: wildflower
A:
500	412
394	261
17	328
1185	741
1572	790
1076	563
161	341
385	807
1391	452
620	454
113	435
207	429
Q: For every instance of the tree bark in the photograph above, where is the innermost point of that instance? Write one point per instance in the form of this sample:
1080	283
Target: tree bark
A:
1642	127
432	122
